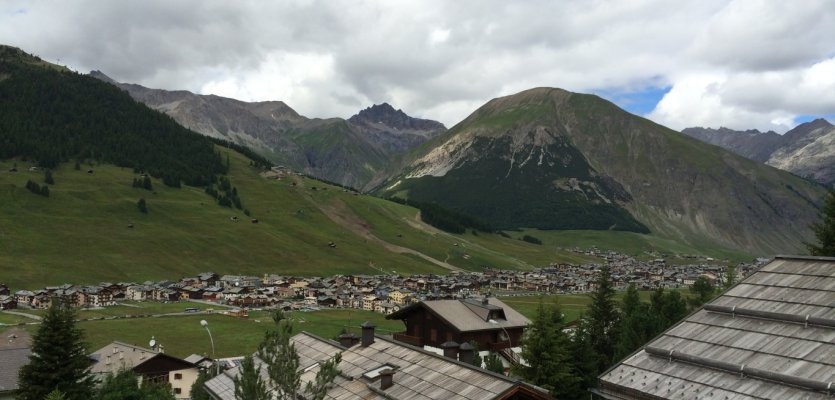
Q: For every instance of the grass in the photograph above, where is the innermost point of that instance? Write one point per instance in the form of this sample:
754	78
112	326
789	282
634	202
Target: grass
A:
572	305
183	335
11	319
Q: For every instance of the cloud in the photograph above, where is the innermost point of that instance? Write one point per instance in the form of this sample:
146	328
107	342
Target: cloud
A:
739	63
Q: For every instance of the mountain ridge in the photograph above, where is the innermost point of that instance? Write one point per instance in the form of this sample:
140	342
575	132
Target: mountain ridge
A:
807	150
350	152
673	184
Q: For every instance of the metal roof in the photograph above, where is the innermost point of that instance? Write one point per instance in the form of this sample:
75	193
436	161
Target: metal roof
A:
418	374
11	361
772	336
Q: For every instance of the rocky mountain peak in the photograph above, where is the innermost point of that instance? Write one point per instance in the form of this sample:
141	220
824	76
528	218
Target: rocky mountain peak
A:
393	118
806	128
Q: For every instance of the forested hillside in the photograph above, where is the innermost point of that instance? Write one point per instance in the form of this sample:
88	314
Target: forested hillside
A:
53	115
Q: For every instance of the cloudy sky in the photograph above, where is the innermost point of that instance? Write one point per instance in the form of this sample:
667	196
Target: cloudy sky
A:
741	64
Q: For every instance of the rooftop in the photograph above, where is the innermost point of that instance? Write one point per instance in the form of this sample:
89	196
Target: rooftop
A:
772	336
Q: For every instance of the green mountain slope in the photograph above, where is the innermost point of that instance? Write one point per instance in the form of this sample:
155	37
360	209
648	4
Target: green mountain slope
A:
552	159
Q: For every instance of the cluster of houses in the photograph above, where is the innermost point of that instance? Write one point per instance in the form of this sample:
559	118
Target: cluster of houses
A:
380	293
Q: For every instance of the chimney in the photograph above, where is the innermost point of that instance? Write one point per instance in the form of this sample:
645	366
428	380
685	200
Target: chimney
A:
367	333
348	340
484	301
386	378
450	349
465	353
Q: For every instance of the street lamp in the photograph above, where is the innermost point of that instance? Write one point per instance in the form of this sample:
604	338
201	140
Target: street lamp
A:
205	324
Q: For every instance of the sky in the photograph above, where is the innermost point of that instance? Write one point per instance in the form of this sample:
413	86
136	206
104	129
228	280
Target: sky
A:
765	65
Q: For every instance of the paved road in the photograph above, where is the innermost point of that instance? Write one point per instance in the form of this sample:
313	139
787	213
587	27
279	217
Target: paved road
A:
23	314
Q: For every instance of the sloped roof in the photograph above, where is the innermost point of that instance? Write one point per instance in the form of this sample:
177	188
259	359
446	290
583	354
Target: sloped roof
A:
772	336
118	355
11	361
419	374
469	314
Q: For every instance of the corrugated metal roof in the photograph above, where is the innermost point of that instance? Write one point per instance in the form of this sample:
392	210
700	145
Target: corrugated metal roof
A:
711	351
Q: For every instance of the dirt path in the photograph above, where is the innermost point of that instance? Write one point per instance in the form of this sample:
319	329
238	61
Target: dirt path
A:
339	213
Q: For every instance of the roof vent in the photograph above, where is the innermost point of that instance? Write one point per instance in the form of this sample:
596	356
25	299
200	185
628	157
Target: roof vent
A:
386	378
450	349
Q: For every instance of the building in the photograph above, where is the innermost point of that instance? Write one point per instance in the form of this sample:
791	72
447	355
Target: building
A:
149	365
15	347
381	368
772	336
488	322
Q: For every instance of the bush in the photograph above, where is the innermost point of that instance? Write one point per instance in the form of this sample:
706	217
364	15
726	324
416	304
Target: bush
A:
531	239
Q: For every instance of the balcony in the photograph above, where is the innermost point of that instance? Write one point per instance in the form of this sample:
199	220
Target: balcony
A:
412	340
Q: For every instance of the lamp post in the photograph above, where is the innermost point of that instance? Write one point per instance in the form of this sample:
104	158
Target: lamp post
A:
205	324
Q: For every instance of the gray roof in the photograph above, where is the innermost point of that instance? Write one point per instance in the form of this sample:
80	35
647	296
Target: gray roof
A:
772	336
418	374
470	314
11	361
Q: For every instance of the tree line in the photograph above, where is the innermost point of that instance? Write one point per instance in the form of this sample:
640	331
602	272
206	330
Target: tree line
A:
445	219
567	365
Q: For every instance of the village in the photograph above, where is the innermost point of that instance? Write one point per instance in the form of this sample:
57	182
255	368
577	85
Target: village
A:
384	294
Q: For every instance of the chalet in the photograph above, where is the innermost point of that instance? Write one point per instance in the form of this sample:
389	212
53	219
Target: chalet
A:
770	336
488	322
139	293
149	365
24	297
7	302
4	290
370	302
379	368
208	278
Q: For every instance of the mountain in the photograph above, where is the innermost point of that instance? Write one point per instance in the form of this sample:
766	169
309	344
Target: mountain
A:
751	144
349	152
53	115
808	150
551	159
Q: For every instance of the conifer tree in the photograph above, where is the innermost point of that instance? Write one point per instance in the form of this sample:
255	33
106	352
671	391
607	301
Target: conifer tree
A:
198	392
47	177
142	206
279	353
603	320
547	350
635	324
58	360
703	291
825	230
248	384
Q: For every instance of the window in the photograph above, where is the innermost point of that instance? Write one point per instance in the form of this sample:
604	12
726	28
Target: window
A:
178	376
178	391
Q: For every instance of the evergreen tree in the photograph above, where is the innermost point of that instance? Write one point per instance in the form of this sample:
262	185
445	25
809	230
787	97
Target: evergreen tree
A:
825	230
143	208
703	291
586	360
494	364
279	354
547	350
603	320
45	191
47	177
635	324
58	360
477	360
146	183
248	384
198	392
318	388
55	395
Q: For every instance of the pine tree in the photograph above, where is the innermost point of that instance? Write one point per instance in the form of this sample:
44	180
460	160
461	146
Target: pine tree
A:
825	230
603	320
730	277
318	388
547	350
143	208
47	177
279	353
635	324
477	360
58	360
248	384
586	360
146	183
493	363
55	395
198	392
